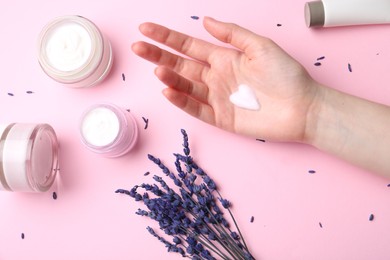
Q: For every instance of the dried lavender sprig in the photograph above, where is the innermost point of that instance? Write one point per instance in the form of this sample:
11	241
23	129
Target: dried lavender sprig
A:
209	183
231	247
172	201
234	221
219	230
228	249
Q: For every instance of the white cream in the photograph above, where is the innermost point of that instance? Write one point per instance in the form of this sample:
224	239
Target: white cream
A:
245	98
100	126
327	13
68	47
73	51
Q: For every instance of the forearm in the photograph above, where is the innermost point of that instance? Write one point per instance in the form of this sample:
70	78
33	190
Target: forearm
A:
351	128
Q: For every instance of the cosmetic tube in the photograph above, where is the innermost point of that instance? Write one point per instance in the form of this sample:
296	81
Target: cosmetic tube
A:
328	13
108	129
73	51
28	157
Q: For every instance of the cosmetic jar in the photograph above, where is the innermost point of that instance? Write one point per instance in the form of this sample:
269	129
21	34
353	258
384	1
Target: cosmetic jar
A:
73	51
28	157
108	129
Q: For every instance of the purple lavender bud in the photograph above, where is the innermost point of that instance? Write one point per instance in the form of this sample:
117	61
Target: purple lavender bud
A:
202	201
141	212
190	250
200	172
225	223
225	203
122	191
192	177
212	236
210	183
178	183
138	197
186	222
191	241
199	247
133	192
176	240
248	256
196	189
206	254
151	231
181	251
234	235
204	230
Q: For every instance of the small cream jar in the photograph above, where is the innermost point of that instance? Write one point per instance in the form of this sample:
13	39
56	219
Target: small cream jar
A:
73	51
28	157
108	129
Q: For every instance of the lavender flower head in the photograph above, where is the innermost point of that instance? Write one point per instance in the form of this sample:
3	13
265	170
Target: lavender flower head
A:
191	212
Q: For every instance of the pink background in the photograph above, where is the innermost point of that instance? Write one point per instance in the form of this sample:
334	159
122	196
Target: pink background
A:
269	181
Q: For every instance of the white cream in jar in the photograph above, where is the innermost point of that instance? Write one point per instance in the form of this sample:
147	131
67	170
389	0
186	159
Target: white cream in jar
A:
73	51
28	157
108	129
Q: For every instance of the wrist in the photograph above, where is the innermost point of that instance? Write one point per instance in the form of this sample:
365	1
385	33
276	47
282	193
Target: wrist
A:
316	114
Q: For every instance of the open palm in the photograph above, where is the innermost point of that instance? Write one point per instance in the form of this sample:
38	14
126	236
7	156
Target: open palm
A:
201	81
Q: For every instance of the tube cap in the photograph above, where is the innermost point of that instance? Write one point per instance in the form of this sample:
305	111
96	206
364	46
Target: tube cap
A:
314	14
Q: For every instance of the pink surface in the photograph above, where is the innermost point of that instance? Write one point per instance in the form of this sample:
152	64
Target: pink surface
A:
266	180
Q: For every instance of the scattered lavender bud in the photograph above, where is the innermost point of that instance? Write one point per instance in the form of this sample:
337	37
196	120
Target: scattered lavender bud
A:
388	185
349	67
54	195
123	77
252	219
128	110
146	121
371	218
317	64
146	173
260	140
321	58
194	17
29	92
278	25
312	171
22	235
10	94
320	224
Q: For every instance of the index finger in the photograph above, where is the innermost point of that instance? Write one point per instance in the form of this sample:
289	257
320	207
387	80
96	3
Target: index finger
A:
239	37
185	44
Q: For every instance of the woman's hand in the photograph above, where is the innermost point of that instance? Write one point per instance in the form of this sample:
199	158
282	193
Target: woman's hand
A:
201	81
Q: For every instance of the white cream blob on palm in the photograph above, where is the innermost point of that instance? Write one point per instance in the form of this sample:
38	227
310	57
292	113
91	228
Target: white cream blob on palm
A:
100	126
245	98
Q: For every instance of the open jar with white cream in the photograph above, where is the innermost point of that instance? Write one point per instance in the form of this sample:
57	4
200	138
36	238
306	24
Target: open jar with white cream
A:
108	129
28	157
73	51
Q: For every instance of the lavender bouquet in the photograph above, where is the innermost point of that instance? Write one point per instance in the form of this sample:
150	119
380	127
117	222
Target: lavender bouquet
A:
192	213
